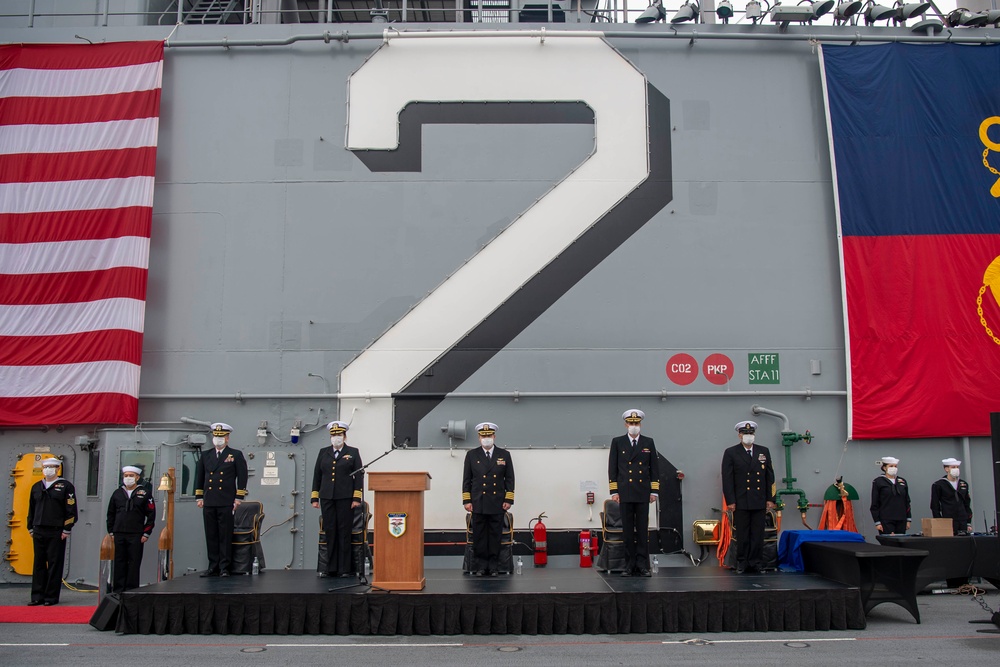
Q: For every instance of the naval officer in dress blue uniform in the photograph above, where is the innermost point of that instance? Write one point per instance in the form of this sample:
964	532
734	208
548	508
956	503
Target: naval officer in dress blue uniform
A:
634	478
890	499
487	492
220	485
951	499
748	486
338	492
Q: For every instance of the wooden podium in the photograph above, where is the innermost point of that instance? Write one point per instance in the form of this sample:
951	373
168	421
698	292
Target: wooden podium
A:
399	529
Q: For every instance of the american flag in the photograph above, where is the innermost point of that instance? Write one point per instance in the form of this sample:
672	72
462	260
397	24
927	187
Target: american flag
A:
78	128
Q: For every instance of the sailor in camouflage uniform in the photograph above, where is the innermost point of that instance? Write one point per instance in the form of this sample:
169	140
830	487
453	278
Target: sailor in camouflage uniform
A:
338	492
52	513
748	486
487	492
634	474
131	517
220	486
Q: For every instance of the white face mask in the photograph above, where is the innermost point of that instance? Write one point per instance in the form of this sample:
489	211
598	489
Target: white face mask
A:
219	442
487	442
129	481
633	430
891	471
49	471
336	440
954	472
747	439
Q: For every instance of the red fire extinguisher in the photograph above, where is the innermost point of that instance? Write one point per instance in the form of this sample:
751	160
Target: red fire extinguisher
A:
539	536
586	560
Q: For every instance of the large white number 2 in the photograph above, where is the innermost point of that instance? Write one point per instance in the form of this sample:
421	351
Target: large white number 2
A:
548	248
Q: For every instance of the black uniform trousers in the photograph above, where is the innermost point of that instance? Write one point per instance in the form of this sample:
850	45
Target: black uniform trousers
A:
128	558
893	527
749	537
338	521
487	531
635	533
50	558
219	524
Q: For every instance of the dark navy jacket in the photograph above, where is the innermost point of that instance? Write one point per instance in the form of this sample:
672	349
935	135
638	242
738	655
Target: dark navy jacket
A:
221	478
488	483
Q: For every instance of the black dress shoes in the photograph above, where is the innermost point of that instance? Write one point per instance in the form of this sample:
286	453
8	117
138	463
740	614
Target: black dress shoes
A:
49	603
209	573
34	603
345	575
626	573
494	573
224	573
645	573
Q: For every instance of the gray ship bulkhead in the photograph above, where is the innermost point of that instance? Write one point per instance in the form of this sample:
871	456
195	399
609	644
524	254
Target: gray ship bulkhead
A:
277	258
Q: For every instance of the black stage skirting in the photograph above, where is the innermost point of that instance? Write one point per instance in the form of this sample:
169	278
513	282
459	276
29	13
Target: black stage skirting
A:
539	602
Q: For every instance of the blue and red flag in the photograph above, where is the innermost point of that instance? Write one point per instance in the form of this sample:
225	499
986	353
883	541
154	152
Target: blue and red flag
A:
915	137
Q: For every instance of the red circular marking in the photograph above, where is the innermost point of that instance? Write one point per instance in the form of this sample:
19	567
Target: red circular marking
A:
682	369
718	368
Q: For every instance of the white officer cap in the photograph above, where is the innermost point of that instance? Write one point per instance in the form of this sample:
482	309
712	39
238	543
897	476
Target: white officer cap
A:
889	461
336	427
135	469
951	462
746	427
51	461
220	429
486	428
633	415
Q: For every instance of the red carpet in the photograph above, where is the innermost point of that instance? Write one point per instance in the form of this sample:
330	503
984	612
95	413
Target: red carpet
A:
55	614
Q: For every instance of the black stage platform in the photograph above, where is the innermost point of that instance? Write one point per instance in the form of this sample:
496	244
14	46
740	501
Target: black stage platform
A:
541	601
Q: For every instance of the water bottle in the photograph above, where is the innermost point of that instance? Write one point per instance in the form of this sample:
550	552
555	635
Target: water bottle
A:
656	565
255	569
518	565
368	567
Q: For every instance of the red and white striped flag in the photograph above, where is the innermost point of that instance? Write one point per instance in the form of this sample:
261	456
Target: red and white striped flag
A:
78	126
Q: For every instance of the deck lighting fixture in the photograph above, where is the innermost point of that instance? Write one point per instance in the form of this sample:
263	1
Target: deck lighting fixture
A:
724	11
655	12
783	15
262	432
846	10
754	12
819	7
911	10
928	27
962	17
688	12
875	12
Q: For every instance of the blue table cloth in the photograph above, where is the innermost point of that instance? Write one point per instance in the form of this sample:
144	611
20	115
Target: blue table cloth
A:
789	554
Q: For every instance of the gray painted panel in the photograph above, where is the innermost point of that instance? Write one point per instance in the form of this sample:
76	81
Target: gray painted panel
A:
275	254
